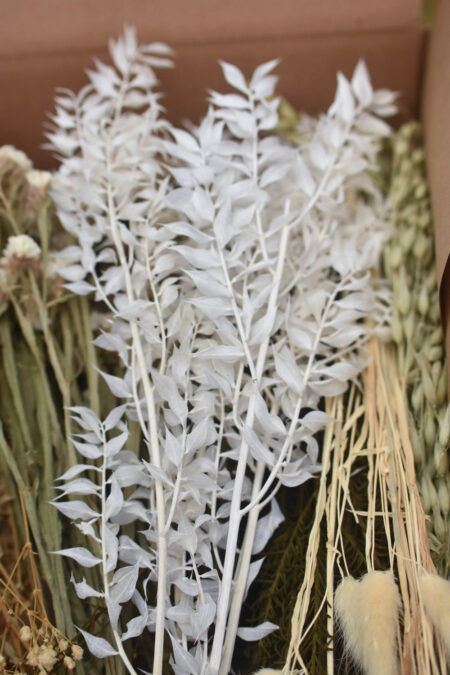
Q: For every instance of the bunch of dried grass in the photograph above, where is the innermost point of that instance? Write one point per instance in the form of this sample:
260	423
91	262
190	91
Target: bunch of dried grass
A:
382	438
379	432
47	363
410	265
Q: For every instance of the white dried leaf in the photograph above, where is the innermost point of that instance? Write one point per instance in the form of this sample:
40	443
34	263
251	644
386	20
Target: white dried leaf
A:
257	632
114	417
124	583
86	418
98	646
76	470
344	103
83	590
234	76
81	555
135	627
266	527
75	509
116	444
117	385
79	486
288	371
257	449
271	424
253	571
114	501
225	353
261	72
361	84
88	450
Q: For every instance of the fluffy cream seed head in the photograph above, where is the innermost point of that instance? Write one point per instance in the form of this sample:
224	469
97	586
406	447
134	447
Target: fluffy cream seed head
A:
367	611
436	598
10	154
21	246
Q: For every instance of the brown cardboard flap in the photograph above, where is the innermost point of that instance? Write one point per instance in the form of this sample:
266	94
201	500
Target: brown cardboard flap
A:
436	112
50	26
50	43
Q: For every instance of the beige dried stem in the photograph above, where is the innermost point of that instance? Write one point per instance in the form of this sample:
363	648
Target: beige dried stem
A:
372	426
422	651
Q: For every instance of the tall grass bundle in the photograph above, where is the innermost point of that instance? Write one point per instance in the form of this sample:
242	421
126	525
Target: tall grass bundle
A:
393	500
47	363
410	265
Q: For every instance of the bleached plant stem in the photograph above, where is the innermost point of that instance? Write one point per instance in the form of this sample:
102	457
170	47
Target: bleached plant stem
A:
254	508
103	538
152	434
218	662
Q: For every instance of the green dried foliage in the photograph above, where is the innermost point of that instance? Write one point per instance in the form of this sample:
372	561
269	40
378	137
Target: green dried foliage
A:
409	263
47	363
274	593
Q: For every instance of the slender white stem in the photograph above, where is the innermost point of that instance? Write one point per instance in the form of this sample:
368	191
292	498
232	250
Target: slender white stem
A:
162	329
236	312
155	456
103	528
216	663
255	506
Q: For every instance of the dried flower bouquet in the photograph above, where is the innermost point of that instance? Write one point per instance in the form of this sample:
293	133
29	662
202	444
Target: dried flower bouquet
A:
234	277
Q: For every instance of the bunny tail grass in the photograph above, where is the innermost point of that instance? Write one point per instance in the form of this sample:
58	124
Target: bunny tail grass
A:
368	614
436	598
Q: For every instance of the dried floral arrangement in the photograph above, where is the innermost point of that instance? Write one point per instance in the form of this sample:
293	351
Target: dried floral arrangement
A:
234	280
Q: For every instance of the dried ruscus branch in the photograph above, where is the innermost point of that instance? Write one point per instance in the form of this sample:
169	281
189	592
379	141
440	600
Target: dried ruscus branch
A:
236	272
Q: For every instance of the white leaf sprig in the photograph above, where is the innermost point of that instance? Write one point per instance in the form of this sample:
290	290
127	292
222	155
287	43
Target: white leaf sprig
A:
283	285
236	272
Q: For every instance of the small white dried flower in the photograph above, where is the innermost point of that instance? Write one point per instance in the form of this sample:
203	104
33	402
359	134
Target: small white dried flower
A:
25	634
10	154
69	663
38	179
47	657
2	661
62	645
77	652
32	656
21	246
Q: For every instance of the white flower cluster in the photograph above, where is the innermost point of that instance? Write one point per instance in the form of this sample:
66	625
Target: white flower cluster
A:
39	180
21	246
238	278
11	155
